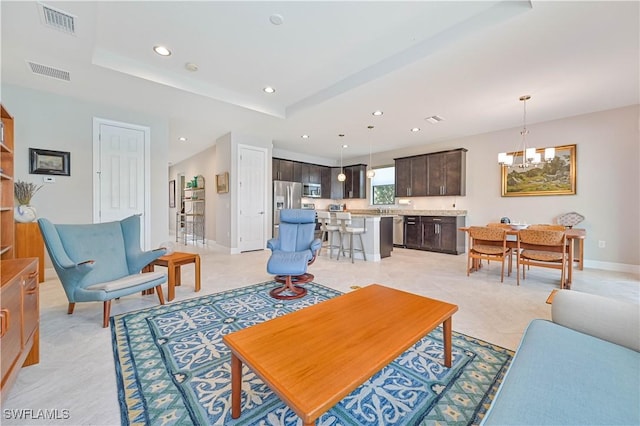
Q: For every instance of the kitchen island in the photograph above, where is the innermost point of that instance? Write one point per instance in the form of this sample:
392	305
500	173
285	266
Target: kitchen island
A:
378	236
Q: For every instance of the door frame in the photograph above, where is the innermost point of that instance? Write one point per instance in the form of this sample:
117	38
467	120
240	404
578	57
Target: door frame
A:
267	188
146	222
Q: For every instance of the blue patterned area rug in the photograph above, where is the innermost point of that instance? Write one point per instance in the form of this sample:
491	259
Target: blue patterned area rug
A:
172	368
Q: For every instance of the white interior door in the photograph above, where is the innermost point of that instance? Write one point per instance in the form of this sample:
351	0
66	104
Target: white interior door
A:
252	198
121	178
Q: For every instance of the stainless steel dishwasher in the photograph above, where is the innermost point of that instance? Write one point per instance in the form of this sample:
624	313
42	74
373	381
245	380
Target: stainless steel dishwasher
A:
398	231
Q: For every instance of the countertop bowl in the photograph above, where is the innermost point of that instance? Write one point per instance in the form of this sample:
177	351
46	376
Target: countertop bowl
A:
518	226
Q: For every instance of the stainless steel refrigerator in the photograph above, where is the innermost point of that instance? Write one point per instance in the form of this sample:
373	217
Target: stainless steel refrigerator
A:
286	195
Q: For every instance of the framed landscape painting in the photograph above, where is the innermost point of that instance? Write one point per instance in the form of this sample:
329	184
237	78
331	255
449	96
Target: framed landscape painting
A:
556	177
47	162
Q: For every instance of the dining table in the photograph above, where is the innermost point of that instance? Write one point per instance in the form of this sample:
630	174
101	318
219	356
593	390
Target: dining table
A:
573	235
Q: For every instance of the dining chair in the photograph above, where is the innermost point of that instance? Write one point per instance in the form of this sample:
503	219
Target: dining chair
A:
548	227
346	229
329	229
489	243
541	247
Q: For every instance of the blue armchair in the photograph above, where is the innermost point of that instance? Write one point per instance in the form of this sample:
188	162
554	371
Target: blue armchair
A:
293	250
101	261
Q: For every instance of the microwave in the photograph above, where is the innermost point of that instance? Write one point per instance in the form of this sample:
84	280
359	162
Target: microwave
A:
311	190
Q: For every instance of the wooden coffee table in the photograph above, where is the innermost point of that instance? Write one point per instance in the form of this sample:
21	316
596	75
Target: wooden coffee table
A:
173	262
314	357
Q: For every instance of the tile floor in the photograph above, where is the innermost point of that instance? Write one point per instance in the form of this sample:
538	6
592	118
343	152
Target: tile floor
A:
76	369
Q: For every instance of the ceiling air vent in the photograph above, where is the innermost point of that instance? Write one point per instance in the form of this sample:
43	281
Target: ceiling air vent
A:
49	71
434	119
57	19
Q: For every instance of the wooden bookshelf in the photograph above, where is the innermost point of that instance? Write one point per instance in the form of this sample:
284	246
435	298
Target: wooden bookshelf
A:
7	229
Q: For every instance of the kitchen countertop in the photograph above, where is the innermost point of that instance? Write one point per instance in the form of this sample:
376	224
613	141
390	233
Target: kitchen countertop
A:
403	212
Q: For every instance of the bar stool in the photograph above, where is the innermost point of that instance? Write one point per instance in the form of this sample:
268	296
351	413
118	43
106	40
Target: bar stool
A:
329	229
344	219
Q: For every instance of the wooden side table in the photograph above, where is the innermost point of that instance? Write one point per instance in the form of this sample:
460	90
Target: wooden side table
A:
173	262
29	243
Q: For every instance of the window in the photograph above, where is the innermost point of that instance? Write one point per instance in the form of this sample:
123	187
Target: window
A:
383	186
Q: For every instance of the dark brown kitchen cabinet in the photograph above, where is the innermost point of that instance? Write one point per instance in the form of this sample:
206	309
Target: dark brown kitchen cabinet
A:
412	232
436	174
411	176
337	187
298	172
326	182
355	183
315	173
447	173
282	170
435	233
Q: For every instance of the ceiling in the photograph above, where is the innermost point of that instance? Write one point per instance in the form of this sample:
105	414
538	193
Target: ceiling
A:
332	64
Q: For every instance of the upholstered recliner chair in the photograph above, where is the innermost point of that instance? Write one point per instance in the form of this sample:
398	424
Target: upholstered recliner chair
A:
101	261
293	250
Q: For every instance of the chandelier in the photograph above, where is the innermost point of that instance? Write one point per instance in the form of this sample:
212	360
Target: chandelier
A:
530	156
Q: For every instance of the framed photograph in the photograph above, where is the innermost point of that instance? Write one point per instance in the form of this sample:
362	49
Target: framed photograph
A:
172	193
222	183
46	162
556	177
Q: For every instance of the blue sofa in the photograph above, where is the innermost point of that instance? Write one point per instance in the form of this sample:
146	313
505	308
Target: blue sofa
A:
581	368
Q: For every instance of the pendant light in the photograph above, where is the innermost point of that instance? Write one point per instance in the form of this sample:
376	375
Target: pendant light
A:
342	177
370	173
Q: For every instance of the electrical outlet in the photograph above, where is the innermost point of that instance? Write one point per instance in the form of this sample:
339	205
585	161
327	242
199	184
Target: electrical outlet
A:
602	244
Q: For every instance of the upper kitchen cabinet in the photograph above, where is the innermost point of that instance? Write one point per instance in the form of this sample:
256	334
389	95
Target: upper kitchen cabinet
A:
447	173
298	171
411	176
355	183
337	187
282	170
326	182
315	173
437	174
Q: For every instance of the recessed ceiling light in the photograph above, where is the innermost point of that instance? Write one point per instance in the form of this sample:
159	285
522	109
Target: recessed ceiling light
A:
269	89
377	113
162	51
190	66
305	136
182	139
434	119
415	129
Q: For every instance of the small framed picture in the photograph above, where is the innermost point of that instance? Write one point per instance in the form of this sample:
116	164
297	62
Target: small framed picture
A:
222	183
47	162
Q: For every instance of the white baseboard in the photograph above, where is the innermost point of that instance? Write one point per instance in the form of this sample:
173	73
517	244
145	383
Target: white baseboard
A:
611	266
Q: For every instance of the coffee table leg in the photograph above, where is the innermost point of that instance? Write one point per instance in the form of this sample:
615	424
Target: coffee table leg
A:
197	272
236	385
446	335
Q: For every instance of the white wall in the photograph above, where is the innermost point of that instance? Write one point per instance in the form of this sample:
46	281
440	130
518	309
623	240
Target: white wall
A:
49	121
608	181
